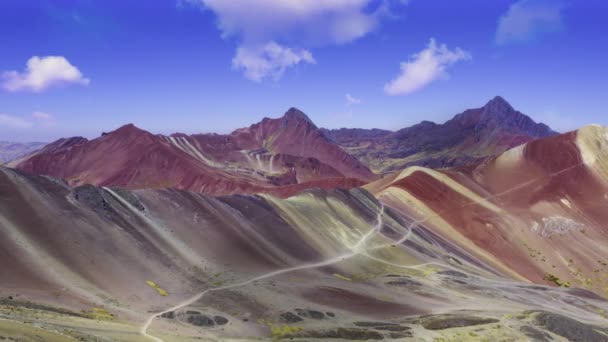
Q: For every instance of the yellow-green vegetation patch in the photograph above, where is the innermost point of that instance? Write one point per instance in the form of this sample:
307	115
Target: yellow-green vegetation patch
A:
427	271
480	335
99	314
552	278
280	331
284	330
157	288
217	283
339	276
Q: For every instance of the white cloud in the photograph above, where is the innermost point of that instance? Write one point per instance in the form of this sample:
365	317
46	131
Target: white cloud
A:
259	20
527	19
14	122
288	23
42	73
425	67
350	100
270	59
42	116
37	119
43	119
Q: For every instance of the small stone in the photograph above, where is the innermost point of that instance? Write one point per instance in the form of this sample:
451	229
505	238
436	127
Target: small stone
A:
201	321
446	322
289	317
220	320
310	314
395	335
168	315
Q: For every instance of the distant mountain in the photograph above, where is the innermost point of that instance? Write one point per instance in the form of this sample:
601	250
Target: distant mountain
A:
348	136
470	136
281	155
276	156
12	150
295	134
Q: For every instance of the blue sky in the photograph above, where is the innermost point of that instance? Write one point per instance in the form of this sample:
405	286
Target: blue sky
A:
215	65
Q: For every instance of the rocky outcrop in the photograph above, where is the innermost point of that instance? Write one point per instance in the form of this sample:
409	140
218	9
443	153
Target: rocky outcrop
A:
440	322
571	329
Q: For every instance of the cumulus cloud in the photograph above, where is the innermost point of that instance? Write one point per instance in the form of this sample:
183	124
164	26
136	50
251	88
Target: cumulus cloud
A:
527	19
351	100
425	67
269	60
42	73
14	121
288	23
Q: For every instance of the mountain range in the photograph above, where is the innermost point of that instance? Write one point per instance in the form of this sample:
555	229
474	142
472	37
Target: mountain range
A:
274	232
12	150
277	156
280	156
468	137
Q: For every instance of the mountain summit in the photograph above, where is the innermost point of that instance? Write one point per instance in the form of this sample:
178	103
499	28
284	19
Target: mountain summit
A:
498	105
294	114
498	114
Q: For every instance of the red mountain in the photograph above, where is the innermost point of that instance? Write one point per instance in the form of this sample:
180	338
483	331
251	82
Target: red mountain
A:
295	134
274	156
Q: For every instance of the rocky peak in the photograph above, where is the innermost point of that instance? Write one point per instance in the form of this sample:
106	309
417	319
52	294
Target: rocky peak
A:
128	130
498	106
296	116
498	113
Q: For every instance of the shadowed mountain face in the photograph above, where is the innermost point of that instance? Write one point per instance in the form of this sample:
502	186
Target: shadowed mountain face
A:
511	249
468	137
11	150
279	156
